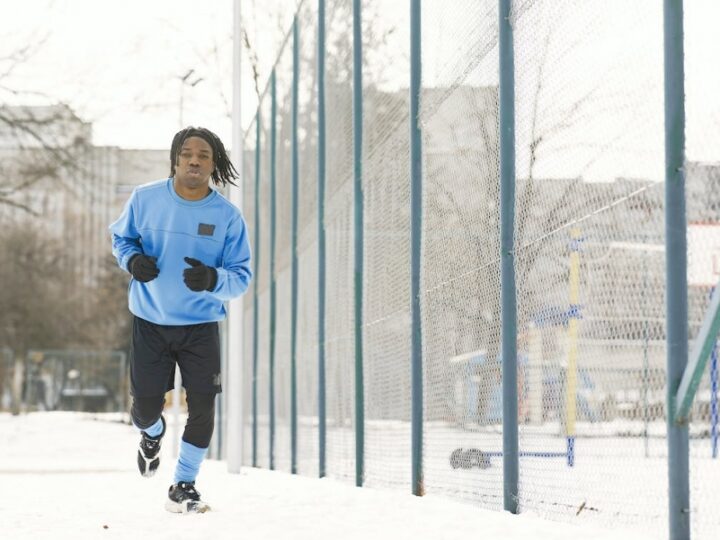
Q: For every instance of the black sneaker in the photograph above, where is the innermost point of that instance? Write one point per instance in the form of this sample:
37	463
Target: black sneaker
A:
183	498
148	457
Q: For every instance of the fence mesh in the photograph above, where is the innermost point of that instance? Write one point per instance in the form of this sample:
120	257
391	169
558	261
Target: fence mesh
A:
590	256
582	216
461	273
386	279
75	380
263	285
339	330
307	315
249	213
283	229
702	84
8	383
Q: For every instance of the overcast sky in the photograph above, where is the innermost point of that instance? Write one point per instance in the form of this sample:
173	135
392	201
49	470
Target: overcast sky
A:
119	65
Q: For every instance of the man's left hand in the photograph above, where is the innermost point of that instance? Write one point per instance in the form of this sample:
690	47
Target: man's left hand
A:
199	277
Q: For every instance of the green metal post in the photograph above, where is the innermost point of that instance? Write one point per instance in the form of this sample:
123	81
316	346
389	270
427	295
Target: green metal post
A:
507	254
416	245
358	266
294	258
676	266
273	145
321	237
256	260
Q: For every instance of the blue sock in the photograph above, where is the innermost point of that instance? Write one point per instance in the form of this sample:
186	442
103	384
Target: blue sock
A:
154	430
189	462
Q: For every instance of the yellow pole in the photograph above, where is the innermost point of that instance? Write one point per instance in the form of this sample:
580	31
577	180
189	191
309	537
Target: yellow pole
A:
571	379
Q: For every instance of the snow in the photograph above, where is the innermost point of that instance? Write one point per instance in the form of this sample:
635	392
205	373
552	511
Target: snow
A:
73	475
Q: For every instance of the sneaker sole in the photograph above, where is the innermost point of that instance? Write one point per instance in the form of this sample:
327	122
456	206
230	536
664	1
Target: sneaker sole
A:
186	507
147	467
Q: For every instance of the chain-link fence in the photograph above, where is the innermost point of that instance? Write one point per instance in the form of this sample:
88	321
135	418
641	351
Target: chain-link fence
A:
75	380
8	381
589	255
702	45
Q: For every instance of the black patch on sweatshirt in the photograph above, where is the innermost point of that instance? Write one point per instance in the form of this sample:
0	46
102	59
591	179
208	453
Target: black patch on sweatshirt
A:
205	229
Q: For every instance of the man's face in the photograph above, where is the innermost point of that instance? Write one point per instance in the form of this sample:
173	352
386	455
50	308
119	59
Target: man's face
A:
195	163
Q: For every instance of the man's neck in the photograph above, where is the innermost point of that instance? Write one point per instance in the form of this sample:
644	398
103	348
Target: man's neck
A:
190	194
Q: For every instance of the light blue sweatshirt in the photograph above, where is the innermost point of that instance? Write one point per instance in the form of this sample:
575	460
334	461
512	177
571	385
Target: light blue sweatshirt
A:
158	222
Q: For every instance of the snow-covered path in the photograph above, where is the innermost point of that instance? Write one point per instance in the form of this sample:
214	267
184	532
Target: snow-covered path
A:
73	475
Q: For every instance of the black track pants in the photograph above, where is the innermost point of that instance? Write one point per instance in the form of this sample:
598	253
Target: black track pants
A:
201	416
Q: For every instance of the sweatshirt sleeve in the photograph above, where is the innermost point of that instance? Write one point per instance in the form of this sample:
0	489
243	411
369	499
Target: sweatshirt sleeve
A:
125	237
234	275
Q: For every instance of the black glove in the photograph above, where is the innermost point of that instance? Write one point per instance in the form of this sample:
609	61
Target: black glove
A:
199	277
143	268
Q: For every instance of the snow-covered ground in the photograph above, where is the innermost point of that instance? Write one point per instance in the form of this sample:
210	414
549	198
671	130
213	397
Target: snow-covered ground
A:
73	475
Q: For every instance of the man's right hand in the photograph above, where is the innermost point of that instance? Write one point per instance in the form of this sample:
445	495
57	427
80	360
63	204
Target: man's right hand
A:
143	268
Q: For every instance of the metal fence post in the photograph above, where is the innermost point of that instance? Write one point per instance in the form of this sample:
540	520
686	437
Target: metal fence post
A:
294	258
507	254
416	244
273	149
358	227
321	237
676	266
256	304
236	335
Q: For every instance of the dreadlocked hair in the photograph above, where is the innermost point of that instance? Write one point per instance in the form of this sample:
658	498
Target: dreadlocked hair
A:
224	172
